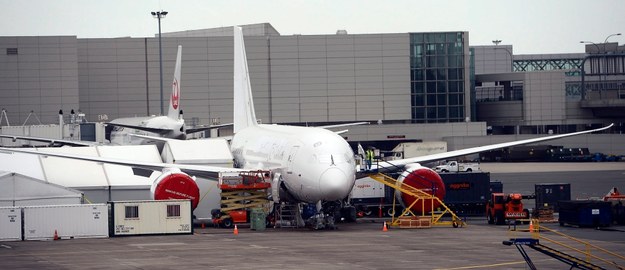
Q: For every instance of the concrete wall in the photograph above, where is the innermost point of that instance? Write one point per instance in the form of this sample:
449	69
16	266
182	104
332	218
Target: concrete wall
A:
543	98
425	132
42	77
294	78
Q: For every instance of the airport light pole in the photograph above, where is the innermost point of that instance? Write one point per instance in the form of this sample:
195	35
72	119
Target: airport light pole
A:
496	42
606	39
160	15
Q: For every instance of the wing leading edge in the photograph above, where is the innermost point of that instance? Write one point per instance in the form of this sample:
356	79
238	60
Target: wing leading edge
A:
209	172
50	141
440	156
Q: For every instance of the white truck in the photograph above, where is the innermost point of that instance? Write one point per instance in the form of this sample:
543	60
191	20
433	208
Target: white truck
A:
417	149
454	166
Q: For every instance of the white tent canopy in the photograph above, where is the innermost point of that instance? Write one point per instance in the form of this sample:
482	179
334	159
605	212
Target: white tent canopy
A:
21	190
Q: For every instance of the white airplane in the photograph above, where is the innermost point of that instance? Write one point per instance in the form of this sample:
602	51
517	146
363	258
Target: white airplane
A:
309	164
117	131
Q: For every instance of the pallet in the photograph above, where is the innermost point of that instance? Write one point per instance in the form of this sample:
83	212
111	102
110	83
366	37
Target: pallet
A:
415	222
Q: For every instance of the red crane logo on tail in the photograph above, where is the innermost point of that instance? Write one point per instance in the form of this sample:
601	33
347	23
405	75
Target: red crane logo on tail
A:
175	95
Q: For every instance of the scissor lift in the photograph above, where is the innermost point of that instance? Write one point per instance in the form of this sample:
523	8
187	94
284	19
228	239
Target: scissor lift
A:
239	193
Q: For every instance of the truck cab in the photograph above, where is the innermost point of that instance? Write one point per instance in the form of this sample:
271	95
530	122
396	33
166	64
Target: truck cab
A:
501	208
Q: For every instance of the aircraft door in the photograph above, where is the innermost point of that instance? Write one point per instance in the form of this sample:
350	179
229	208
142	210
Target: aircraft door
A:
291	157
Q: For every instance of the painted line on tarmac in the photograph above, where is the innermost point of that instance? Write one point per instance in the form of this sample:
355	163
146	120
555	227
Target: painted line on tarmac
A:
489	265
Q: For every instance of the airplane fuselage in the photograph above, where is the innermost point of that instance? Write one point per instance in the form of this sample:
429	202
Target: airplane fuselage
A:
119	135
315	164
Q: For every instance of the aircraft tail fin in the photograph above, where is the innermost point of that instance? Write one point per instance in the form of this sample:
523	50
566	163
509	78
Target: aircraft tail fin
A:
244	115
174	101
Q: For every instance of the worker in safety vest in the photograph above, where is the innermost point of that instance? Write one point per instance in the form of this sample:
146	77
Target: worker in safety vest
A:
369	158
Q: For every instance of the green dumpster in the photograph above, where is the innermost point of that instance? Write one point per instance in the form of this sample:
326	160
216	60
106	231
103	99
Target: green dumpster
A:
257	219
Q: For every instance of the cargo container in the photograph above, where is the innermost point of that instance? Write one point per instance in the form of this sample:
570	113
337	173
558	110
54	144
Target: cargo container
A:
467	193
151	217
372	198
68	221
10	224
585	213
548	195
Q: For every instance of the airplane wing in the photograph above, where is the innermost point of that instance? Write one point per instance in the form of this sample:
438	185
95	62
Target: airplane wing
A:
397	164
148	129
50	141
199	129
208	172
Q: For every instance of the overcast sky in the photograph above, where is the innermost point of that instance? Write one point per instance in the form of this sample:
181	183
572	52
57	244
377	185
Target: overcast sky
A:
531	26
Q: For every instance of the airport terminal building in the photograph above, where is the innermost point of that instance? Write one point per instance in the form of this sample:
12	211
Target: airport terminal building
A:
411	86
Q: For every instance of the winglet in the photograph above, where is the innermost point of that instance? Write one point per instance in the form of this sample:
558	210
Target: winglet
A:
244	115
174	101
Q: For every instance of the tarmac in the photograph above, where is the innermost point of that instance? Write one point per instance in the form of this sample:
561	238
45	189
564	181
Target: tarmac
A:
361	245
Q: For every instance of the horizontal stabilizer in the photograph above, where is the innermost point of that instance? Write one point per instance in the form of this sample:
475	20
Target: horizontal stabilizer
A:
200	129
148	129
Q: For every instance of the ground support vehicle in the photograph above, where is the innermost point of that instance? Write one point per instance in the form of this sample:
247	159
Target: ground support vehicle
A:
240	194
506	208
455	166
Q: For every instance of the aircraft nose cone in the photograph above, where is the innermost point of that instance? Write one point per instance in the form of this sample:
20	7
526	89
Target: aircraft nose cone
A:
334	184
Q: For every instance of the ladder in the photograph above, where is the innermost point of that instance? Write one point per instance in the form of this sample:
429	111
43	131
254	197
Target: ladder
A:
286	215
420	196
534	244
607	257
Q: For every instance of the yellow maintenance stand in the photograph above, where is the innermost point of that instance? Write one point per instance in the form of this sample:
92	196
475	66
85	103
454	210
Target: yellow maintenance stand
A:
420	196
567	249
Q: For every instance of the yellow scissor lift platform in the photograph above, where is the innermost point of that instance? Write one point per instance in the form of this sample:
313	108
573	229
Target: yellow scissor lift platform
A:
420	196
240	193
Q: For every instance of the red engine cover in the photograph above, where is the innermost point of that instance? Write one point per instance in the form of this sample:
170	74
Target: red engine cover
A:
426	180
177	186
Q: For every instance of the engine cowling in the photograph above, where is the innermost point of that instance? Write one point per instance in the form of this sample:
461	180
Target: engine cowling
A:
174	184
424	179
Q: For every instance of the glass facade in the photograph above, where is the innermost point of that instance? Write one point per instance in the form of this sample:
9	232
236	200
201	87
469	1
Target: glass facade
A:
437	77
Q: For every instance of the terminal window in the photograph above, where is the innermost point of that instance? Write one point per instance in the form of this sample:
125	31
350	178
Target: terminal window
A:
132	211
173	210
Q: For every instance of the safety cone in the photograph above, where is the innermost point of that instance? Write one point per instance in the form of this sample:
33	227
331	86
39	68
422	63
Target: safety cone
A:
385	229
56	235
236	230
531	226
203	226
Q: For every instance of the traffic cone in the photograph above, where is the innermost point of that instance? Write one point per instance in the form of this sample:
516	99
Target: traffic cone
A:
531	226
236	230
385	229
56	235
203	226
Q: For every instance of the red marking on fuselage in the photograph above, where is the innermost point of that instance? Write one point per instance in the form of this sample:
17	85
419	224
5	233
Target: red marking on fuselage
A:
175	95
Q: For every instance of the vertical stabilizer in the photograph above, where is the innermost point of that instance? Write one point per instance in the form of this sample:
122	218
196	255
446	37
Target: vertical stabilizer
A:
174	100
244	115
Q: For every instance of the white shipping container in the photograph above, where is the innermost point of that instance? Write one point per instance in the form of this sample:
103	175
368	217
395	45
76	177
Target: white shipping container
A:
151	217
69	221
366	187
10	224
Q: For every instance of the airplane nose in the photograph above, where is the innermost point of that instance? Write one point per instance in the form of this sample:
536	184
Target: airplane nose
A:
333	184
